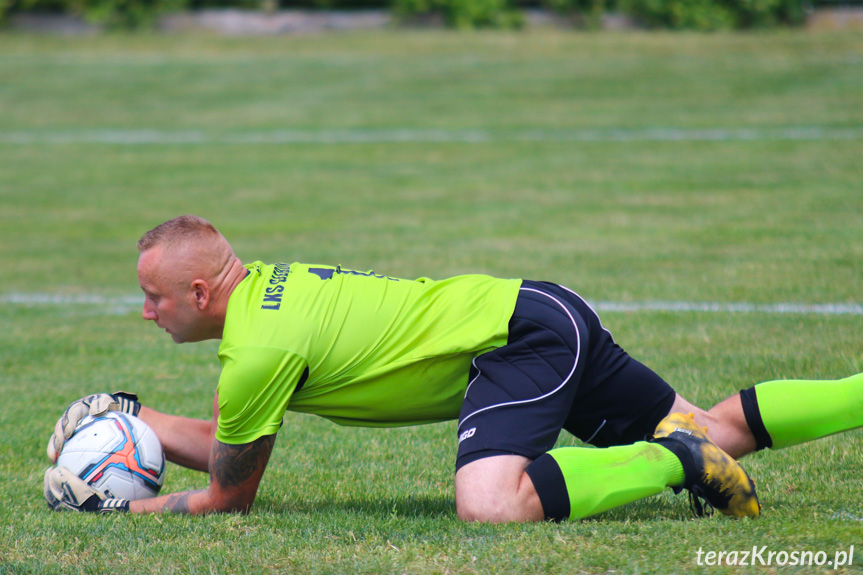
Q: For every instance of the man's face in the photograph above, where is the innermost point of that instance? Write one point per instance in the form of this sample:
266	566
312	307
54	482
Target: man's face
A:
168	302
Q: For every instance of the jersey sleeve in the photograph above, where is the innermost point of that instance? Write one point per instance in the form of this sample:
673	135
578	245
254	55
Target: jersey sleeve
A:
254	390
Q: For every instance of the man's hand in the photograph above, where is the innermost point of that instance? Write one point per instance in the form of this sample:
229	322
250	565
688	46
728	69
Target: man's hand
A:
65	490
95	405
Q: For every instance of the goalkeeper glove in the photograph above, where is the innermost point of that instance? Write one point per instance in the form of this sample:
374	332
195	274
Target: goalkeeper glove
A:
95	405
65	490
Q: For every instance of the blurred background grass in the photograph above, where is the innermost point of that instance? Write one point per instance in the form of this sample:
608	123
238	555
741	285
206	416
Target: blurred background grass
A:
771	215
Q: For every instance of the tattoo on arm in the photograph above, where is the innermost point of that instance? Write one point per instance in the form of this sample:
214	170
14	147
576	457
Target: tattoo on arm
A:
232	465
179	502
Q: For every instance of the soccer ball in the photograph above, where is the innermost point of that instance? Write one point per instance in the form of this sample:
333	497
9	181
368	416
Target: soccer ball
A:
117	454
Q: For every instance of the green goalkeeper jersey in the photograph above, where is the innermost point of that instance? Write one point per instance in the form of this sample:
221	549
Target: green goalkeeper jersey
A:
354	347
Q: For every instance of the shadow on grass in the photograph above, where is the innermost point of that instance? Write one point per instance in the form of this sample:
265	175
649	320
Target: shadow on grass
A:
443	507
409	506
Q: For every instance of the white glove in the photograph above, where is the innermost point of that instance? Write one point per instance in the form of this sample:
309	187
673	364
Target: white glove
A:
65	490
95	405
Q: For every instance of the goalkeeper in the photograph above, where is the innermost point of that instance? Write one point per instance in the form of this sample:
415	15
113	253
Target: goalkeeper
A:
513	361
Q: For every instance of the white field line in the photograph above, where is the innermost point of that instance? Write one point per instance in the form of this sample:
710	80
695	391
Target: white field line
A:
738	307
131	302
37	299
427	136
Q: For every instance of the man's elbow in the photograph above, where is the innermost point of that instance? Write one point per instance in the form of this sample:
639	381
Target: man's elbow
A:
232	503
241	507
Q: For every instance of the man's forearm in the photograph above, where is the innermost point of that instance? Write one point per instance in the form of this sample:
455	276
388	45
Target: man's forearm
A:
192	502
186	441
235	472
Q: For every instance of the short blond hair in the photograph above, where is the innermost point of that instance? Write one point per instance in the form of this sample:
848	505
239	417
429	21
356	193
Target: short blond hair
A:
178	231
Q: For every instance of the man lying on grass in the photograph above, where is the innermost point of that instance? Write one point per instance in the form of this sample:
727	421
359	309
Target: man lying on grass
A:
515	361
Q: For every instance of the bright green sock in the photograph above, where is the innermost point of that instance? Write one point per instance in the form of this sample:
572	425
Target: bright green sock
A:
577	482
797	411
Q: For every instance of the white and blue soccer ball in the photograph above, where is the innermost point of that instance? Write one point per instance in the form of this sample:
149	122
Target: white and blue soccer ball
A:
117	454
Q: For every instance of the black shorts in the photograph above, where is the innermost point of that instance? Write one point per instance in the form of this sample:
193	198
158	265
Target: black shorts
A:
560	369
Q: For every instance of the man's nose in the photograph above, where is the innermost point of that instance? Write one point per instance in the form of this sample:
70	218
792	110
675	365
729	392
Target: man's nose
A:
148	312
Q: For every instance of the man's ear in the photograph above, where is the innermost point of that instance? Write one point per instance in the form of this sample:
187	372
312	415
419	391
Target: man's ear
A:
201	292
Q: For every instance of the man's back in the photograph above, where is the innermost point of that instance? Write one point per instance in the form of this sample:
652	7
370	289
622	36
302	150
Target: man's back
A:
355	347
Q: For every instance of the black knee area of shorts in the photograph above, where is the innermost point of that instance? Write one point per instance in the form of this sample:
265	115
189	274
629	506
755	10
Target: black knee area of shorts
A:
752	413
625	407
550	486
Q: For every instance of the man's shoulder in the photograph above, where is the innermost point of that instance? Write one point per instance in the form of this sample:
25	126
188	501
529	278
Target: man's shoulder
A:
261	290
261	314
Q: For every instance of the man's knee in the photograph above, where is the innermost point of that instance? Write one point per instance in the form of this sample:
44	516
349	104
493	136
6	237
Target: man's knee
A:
485	506
496	490
484	509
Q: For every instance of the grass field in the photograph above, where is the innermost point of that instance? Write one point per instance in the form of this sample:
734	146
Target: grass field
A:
634	168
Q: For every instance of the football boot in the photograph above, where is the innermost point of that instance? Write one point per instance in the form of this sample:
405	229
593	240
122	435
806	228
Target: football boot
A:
710	473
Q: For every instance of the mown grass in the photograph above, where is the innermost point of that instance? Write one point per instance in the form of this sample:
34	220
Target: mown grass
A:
728	221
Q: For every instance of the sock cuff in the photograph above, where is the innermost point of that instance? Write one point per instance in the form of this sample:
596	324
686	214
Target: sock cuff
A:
749	401
673	466
683	474
550	485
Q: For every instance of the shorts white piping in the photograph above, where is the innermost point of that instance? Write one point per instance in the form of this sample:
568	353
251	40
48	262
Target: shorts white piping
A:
552	392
